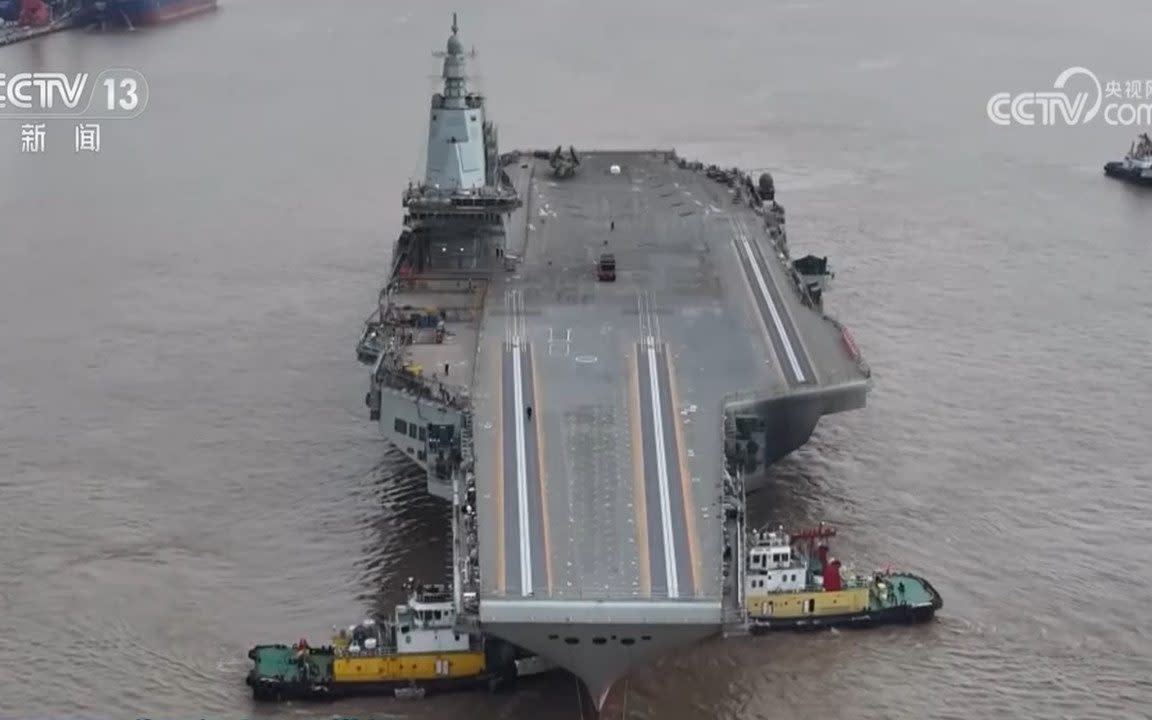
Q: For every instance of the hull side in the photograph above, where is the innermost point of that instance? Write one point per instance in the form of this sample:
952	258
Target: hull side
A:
599	654
888	616
150	12
277	692
1118	171
767	428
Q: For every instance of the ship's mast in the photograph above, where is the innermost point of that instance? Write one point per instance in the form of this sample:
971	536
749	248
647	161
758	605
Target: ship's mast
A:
455	79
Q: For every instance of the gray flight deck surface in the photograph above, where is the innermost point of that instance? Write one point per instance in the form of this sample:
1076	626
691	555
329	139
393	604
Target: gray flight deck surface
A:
600	524
620	493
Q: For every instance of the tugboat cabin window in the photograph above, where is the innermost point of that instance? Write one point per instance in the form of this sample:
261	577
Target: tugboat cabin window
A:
401	427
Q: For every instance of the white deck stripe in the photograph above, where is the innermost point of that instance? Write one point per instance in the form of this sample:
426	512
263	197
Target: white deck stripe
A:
772	309
662	474
521	462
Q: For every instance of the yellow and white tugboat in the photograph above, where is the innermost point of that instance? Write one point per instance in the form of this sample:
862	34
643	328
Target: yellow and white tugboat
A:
420	649
790	581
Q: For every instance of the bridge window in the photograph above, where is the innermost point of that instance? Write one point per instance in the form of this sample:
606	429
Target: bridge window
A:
627	641
400	426
572	640
598	641
645	637
747	425
412	431
553	637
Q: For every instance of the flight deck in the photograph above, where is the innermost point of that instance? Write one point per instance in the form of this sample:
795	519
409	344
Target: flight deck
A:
599	405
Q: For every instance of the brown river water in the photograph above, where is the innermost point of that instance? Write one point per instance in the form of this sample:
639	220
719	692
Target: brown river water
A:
187	467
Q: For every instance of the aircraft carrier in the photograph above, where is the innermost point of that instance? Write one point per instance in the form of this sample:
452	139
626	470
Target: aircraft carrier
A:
594	355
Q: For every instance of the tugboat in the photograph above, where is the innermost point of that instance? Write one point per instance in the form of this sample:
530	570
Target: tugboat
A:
790	582
1136	167
419	650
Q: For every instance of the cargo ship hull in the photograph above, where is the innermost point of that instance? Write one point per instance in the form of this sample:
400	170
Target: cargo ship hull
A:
134	13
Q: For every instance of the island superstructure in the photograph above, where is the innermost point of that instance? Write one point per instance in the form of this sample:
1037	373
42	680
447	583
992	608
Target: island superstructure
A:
596	433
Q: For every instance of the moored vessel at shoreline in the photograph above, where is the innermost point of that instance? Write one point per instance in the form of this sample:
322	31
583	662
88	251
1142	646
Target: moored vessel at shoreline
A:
137	13
27	19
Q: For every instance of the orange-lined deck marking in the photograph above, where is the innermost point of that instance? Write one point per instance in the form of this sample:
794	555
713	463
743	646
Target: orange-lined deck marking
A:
685	475
540	472
501	570
638	500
